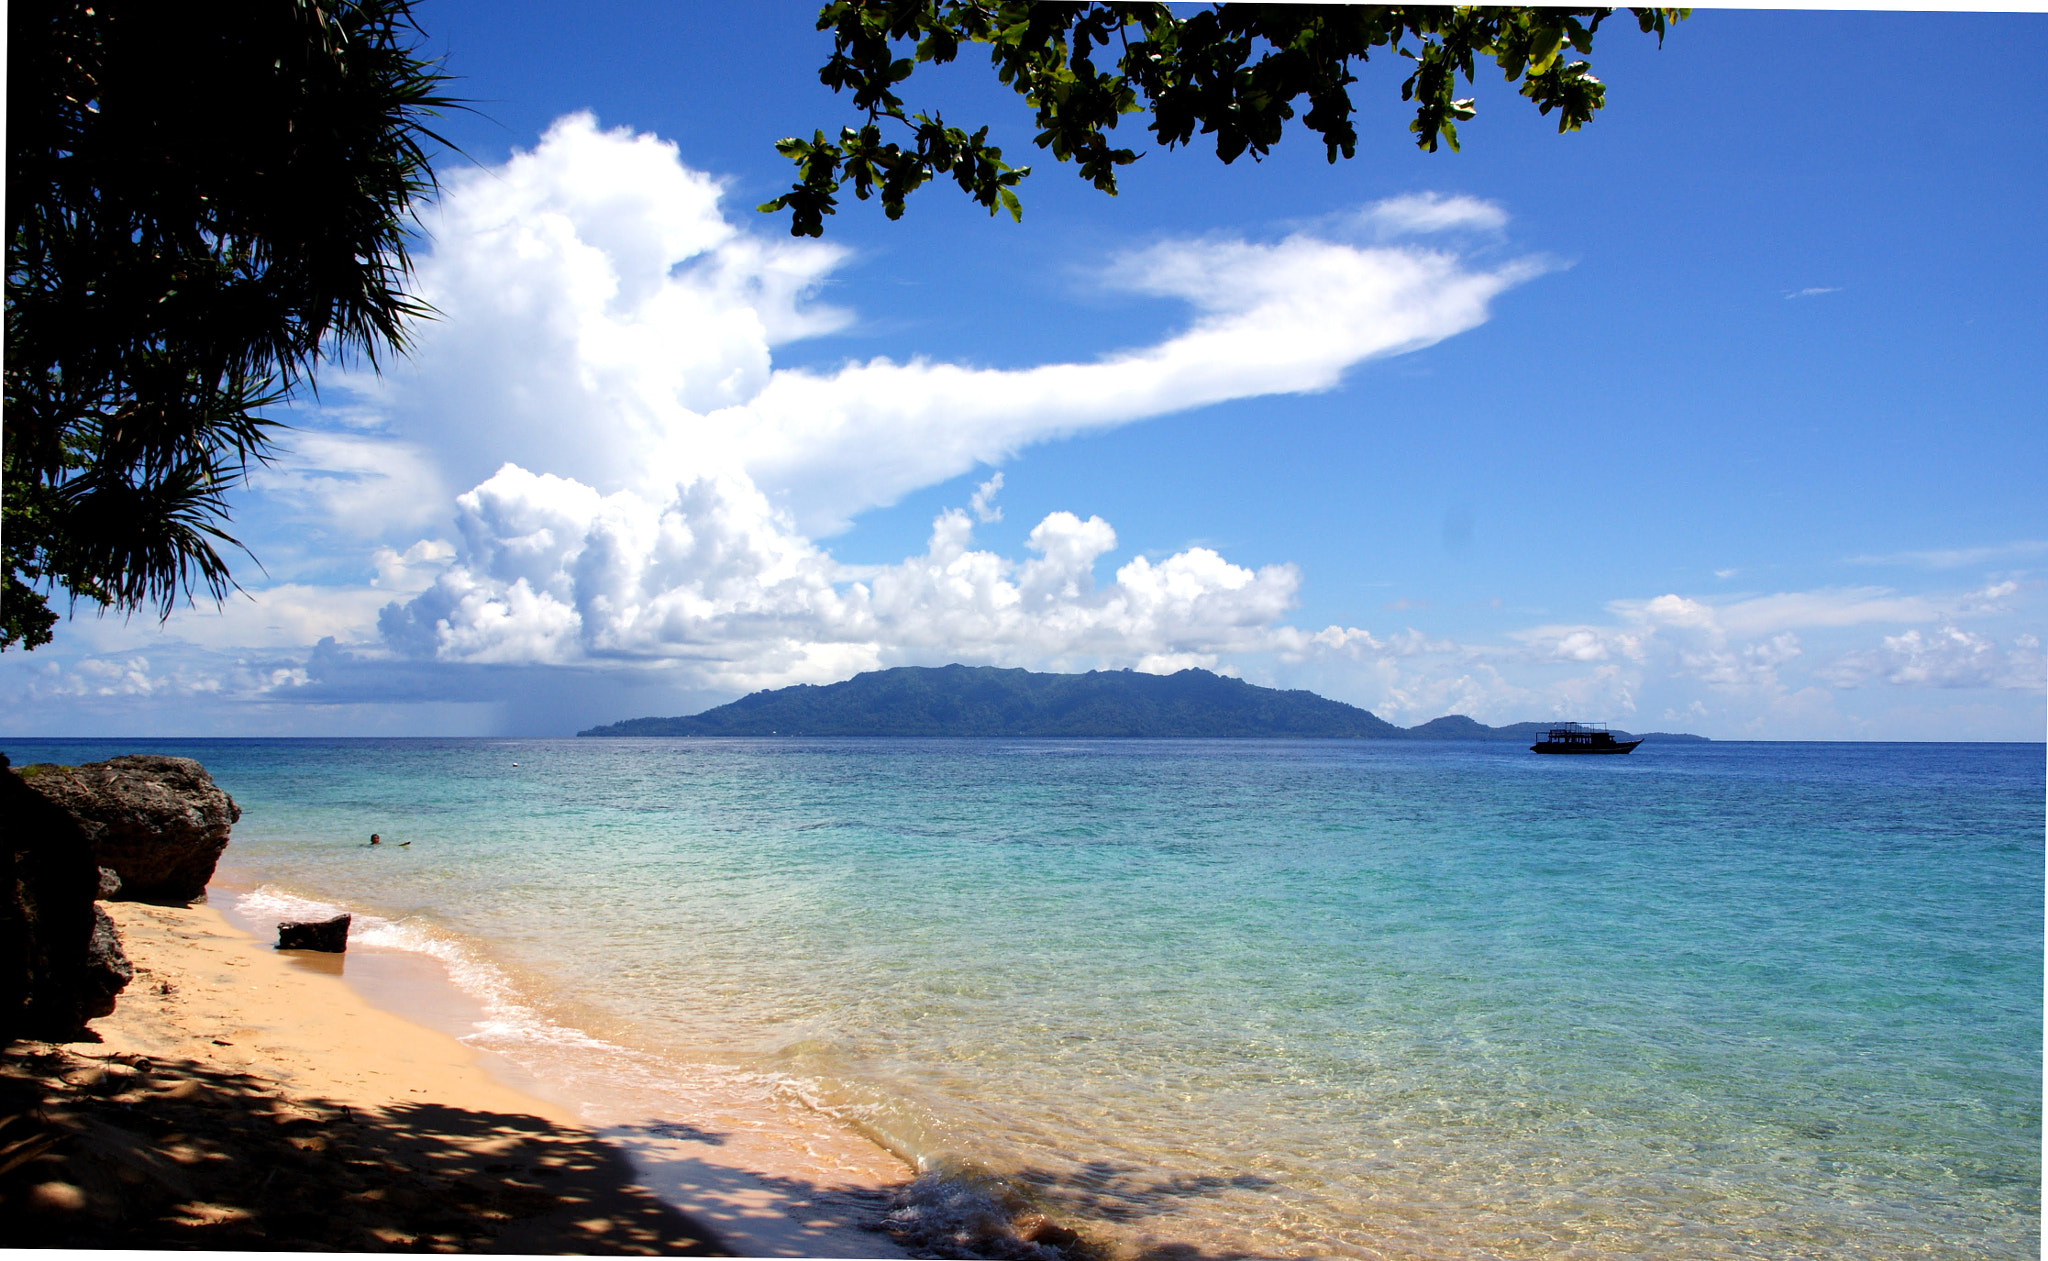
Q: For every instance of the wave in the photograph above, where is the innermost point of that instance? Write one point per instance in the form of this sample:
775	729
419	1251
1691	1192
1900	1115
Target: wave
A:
950	1206
510	1022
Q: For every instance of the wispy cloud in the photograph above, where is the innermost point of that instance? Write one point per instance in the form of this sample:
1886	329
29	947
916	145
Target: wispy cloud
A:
1813	292
1957	557
1413	214
983	504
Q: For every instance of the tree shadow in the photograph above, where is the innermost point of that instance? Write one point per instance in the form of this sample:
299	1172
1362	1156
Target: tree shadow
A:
971	1214
1124	1193
681	1131
123	1152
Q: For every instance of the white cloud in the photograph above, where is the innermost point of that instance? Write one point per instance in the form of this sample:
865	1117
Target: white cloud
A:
1812	292
1288	317
125	677
718	582
1416	213
1584	643
1785	610
1946	657
603	321
368	485
647	485
1989	599
983	505
595	305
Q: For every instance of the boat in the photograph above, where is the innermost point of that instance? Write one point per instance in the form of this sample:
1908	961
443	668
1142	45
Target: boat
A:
1581	737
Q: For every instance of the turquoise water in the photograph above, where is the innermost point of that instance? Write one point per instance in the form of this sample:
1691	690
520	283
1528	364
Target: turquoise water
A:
1277	998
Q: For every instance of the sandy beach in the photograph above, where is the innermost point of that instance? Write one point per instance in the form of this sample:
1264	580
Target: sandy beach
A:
240	1097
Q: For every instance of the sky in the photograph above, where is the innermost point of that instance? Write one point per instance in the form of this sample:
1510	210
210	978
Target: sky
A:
1721	415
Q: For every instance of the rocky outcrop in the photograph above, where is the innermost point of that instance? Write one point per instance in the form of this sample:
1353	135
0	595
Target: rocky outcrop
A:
330	935
60	958
159	822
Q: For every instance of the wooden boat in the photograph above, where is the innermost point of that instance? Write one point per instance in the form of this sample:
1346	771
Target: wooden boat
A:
1581	737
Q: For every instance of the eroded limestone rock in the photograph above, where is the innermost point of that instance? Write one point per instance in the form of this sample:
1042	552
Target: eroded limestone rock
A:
159	822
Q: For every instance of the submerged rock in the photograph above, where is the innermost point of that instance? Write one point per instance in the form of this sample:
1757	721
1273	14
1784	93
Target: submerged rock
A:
330	935
160	823
60	956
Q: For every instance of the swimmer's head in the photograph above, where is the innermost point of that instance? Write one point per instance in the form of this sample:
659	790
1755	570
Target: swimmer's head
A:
376	839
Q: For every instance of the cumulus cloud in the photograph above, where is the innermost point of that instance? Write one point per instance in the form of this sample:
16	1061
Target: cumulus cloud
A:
1945	657
603	320
718	581
1745	644
647	485
134	677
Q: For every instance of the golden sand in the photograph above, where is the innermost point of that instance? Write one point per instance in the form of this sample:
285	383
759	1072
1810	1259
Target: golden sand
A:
242	1097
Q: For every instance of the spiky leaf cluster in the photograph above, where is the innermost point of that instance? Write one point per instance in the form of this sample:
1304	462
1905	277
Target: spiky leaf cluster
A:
203	204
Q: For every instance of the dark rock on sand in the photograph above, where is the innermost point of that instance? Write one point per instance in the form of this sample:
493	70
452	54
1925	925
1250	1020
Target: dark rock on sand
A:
330	935
60	958
159	822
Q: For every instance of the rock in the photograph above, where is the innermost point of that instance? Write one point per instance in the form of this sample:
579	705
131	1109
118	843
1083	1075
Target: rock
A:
110	883
159	822
330	935
60	958
107	970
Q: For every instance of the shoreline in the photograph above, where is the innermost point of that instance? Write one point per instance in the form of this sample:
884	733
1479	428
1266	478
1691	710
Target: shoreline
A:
360	1046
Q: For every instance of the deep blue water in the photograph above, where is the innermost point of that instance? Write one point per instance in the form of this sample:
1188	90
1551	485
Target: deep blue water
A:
1291	997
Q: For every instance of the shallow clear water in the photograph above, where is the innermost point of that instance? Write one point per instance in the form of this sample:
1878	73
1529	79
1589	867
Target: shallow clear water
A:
1329	998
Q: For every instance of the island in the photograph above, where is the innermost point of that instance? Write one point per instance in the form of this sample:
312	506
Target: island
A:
958	700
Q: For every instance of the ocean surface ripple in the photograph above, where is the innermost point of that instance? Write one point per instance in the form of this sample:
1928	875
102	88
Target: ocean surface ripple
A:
1277	998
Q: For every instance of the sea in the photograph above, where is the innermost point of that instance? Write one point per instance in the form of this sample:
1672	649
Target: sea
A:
1244	998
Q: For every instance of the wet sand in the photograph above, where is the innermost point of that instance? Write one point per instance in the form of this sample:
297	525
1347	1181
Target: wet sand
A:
240	1097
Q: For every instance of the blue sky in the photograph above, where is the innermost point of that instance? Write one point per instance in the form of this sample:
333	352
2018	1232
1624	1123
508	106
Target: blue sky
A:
1722	415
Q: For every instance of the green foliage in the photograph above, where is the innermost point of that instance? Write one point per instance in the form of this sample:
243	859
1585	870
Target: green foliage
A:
203	204
37	770
1234	71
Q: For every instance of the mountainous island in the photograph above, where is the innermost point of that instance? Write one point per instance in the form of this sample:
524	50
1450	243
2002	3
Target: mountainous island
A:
961	700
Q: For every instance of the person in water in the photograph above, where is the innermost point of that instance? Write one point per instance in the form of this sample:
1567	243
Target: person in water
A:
376	839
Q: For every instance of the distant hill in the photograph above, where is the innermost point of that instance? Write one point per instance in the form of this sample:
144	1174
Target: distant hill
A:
1459	727
985	701
961	700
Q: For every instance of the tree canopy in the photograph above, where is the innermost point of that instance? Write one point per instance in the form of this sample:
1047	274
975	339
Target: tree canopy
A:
203	204
1232	71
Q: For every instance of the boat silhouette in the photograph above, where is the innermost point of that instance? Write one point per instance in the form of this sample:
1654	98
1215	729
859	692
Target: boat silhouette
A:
1581	737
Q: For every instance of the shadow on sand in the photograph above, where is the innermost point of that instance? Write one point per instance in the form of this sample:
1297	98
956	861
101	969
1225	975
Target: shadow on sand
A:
123	1152
119	1151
